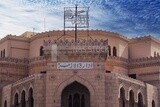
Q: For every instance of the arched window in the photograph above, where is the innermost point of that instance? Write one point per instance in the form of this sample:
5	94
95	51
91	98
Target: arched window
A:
23	101
114	51
122	98
109	50
41	52
153	103
140	100
155	54
1	54
16	100
4	53
5	103
31	99
131	99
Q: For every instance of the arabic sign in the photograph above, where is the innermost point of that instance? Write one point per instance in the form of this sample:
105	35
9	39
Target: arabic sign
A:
75	65
73	16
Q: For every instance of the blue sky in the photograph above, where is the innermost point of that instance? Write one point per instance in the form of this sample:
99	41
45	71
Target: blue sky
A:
128	17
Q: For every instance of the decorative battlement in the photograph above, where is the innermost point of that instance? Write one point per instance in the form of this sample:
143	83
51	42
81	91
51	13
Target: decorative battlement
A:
14	60
145	59
149	37
117	58
71	50
145	62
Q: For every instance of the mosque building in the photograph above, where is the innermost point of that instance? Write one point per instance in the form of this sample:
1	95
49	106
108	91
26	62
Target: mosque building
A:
100	69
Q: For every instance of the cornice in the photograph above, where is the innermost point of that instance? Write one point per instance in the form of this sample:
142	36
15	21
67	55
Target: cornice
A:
144	62
133	63
95	32
144	38
13	37
114	34
117	61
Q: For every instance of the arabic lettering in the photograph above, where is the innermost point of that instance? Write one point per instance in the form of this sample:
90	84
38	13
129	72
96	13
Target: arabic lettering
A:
75	65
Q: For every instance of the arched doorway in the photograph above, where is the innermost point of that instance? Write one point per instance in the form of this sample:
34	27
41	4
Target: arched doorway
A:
75	95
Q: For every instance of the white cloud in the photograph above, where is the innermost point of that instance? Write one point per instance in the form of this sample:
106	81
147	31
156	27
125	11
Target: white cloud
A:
18	17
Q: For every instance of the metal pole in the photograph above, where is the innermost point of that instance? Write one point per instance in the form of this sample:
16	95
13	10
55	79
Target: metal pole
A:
64	24
76	23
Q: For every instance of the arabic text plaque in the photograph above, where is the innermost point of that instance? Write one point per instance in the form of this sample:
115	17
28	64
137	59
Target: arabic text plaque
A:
75	65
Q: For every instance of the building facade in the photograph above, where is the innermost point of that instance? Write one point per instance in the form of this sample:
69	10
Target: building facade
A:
101	69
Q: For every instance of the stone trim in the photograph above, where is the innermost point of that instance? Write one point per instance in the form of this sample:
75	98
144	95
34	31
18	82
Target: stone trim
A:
131	84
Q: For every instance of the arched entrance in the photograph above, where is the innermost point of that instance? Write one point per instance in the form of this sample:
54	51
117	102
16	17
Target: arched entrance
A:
75	95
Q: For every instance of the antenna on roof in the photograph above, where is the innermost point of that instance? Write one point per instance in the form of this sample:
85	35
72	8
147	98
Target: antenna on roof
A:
44	24
33	31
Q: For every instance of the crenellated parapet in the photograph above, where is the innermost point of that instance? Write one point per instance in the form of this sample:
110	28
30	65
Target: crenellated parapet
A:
144	38
14	60
37	59
117	61
144	62
133	63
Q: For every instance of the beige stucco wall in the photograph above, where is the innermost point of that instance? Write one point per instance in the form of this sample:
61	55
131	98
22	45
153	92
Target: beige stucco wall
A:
19	49
155	47
152	94
6	93
113	40
35	47
146	73
140	49
5	45
123	49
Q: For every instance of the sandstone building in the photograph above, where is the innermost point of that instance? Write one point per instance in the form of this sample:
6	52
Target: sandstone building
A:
103	69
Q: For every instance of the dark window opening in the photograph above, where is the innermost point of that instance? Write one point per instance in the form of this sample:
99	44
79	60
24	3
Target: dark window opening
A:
31	100
140	100
122	97
154	54
4	53
133	76
109	50
82	101
1	54
114	51
5	103
16	100
23	102
41	51
153	103
131	99
76	100
108	71
70	101
43	72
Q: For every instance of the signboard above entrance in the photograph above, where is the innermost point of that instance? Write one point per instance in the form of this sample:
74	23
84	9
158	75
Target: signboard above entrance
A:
75	65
